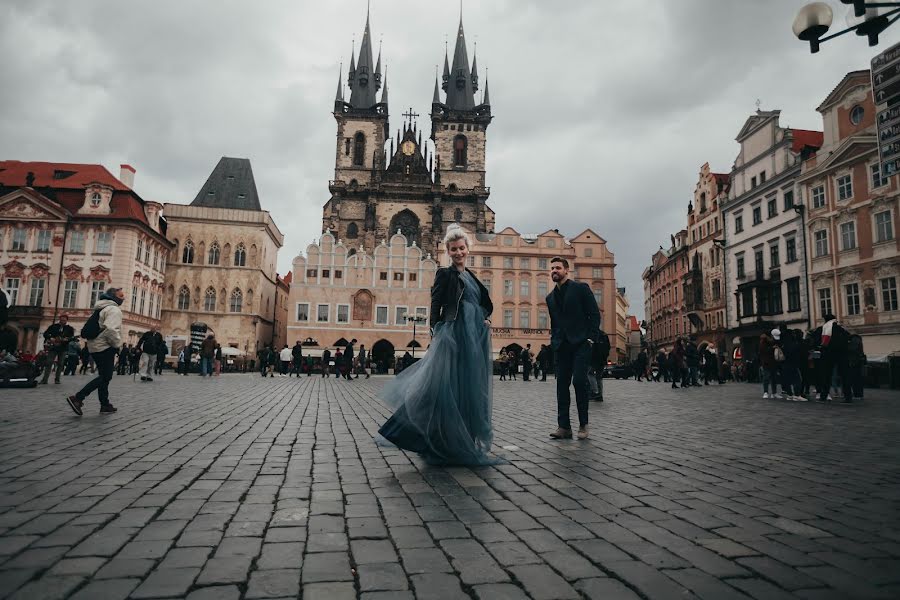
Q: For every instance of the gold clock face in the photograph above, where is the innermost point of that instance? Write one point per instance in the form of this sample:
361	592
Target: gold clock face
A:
408	147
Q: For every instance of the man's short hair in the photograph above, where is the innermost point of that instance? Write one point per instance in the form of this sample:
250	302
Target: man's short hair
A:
560	259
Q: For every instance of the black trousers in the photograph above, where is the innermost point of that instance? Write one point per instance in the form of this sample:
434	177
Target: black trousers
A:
105	362
526	371
572	365
827	364
58	358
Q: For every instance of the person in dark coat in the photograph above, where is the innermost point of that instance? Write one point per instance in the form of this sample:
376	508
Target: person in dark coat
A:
326	360
544	358
525	356
348	360
297	357
361	359
575	326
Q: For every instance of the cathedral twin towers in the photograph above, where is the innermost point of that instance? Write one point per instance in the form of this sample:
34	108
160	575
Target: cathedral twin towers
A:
376	192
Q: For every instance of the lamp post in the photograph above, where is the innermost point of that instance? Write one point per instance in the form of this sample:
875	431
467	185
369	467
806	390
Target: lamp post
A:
415	320
815	19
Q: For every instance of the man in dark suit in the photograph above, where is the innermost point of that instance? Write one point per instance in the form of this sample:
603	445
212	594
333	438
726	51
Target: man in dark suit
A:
574	327
348	361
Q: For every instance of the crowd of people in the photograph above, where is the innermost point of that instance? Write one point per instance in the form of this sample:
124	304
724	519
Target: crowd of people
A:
823	364
346	363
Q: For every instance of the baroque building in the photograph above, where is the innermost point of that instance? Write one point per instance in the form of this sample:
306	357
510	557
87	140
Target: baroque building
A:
384	184
664	279
704	282
852	220
765	257
67	233
221	271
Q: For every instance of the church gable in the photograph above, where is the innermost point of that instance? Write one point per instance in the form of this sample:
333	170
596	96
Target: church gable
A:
27	205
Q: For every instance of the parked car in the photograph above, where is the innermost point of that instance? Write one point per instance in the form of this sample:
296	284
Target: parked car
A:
618	371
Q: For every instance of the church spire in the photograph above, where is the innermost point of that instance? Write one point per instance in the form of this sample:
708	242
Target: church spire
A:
446	77
366	80
460	92
384	92
487	94
436	97
475	68
339	95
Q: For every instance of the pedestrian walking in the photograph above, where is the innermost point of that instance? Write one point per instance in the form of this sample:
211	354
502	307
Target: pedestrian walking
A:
161	352
544	358
504	365
768	368
326	362
87	361
207	355
148	346
56	343
217	360
361	359
284	357
856	365
525	358
833	343
297	357
338	363
348	360
575	327
103	332
72	353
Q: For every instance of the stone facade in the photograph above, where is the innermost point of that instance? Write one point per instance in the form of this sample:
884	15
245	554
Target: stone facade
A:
704	282
221	272
852	220
667	319
622	327
515	268
67	233
339	292
764	254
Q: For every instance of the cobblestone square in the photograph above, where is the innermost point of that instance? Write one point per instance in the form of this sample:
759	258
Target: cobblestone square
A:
243	487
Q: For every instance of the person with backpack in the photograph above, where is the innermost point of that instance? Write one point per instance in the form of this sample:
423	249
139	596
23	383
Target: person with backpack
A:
103	332
148	346
856	364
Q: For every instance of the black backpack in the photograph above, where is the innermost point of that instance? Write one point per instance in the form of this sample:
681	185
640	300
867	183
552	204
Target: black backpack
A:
601	349
91	328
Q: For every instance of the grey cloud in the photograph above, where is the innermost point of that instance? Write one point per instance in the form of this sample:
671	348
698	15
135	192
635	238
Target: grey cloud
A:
604	110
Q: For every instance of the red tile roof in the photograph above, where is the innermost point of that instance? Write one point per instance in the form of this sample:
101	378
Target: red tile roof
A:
64	183
803	138
633	324
289	278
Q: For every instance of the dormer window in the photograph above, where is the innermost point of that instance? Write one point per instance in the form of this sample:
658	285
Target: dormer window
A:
95	200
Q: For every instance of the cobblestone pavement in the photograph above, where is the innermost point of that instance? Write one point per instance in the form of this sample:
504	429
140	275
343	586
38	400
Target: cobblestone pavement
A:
241	487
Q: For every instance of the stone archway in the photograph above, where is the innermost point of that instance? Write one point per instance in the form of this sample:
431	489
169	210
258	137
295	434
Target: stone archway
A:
383	355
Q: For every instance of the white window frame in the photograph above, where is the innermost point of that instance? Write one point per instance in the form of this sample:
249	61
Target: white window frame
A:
387	314
18	241
509	290
134	299
543	319
97	289
817	196
422	311
70	293
12	290
844	186
140	250
508	316
337	313
525	288
143	300
98	249
877	180
848	236
887	291
43	233
36	292
817	252
543	263
327	313
543	283
76	235
405	319
847	303
525	318
509	262
297	312
889	223
597	272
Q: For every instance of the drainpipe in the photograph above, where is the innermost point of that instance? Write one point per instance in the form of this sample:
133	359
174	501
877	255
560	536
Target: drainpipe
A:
62	259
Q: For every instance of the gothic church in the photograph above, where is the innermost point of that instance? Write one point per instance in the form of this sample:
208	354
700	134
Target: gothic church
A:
382	183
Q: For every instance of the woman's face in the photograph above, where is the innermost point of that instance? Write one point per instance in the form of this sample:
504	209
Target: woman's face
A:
458	252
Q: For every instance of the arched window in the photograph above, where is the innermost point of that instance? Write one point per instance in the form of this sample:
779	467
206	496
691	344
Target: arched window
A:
240	256
209	303
184	298
359	149
460	151
214	252
187	256
237	301
457	215
352	231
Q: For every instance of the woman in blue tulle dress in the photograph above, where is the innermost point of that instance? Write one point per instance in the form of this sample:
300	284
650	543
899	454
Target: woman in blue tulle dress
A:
443	402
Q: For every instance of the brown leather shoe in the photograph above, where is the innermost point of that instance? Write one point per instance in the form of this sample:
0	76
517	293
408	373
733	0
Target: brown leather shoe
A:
562	434
583	433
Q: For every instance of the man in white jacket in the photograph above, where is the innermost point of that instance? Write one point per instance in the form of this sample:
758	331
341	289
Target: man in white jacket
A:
104	348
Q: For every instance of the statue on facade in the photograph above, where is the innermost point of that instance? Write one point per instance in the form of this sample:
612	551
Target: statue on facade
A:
370	216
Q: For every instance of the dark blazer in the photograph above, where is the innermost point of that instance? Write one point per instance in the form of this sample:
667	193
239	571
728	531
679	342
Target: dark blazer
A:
447	292
577	320
348	354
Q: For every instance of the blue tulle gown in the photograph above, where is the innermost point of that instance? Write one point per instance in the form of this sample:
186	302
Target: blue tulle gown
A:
443	402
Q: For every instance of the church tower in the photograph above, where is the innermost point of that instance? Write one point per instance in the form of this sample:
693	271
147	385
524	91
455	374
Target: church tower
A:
362	119
459	131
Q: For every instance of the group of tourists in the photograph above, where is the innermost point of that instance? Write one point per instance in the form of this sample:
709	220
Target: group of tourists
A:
512	361
345	364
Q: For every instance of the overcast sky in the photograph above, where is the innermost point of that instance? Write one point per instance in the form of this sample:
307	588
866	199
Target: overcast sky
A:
604	110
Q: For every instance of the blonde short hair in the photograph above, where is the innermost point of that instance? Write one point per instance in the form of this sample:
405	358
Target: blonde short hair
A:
455	233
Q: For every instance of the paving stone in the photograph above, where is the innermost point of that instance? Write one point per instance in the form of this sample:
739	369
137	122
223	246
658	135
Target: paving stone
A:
327	566
78	566
278	583
512	553
705	585
329	591
225	569
178	558
107	589
424	560
411	537
286	555
647	580
499	591
394	595
604	588
542	583
218	592
437	586
48	588
166	582
123	568
381	576
373	551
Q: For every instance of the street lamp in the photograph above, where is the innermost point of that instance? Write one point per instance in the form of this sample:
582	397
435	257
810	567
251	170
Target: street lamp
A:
415	319
815	19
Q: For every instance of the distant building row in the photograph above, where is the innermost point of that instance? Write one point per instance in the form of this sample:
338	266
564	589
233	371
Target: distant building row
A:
803	225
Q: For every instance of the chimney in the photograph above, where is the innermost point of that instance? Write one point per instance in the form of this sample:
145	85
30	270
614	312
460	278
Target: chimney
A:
126	175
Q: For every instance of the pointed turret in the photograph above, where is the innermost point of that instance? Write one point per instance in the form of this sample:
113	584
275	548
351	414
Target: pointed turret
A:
378	67
446	77
339	95
436	97
384	92
365	83
460	93
475	71
487	94
351	74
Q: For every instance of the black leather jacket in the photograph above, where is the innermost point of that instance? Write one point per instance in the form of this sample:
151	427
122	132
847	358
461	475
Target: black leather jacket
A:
446	295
